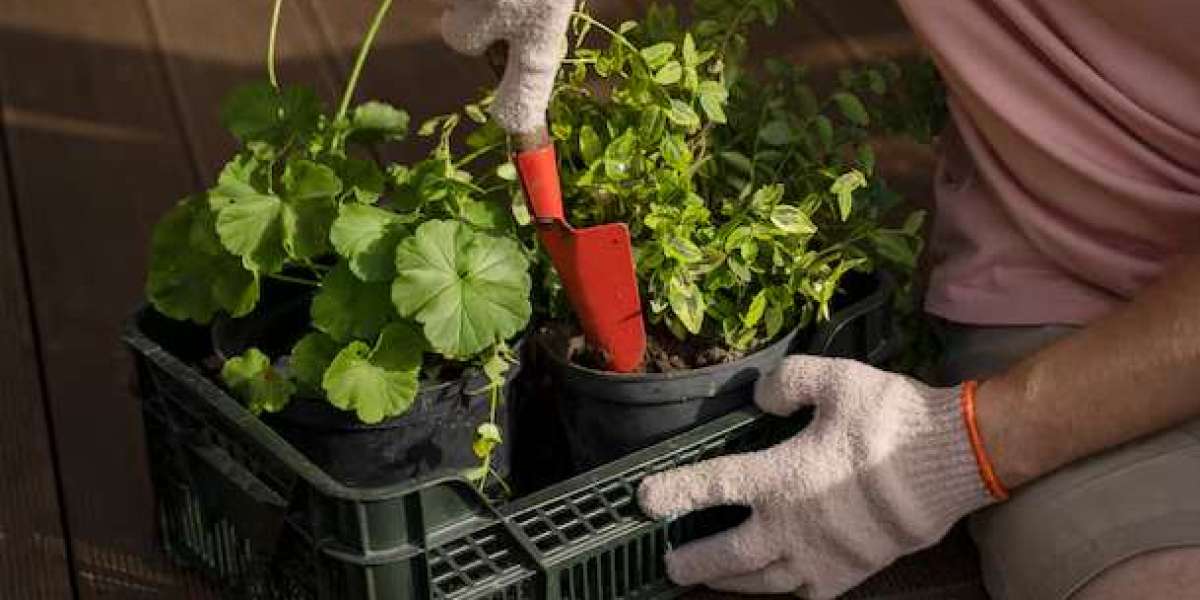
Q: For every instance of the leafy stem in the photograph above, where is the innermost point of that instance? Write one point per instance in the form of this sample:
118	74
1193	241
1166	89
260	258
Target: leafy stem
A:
361	59
271	44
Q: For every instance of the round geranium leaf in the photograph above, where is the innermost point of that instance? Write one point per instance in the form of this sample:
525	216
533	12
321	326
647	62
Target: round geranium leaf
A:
468	289
380	382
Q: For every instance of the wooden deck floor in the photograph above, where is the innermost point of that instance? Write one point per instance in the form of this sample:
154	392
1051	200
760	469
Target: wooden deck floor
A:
109	115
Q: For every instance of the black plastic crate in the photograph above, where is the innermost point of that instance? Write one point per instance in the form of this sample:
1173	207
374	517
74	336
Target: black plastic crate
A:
241	505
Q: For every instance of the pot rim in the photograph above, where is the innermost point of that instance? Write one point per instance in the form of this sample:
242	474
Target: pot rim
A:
785	339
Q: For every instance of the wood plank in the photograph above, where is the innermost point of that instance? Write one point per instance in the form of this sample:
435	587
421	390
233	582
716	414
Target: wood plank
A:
96	157
33	561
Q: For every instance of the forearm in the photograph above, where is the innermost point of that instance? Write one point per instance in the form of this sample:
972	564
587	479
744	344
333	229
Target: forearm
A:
1132	373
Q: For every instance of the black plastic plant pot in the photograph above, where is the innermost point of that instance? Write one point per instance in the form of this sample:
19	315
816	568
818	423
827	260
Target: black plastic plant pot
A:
607	415
436	433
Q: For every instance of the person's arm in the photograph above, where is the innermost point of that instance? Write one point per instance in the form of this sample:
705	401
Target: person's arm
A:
1132	373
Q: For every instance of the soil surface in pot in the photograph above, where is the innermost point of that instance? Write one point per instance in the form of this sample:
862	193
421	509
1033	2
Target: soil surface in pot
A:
665	353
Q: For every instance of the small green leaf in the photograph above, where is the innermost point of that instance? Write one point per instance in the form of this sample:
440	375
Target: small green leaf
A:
590	146
852	108
738	161
737	237
251	111
475	113
658	54
682	114
235	181
844	188
487	437
792	220
310	357
687	302
682	249
676	152
429	127
259	112
367	236
376	121
619	155
362	179
866	158
306	224
495	368
766	197
487	215
507	171
690	57
669	74
309	208
469	290
773	319
894	247
252	228
305	179
348	308
256	382
520	209
778	133
713	96
914	222
380	382
755	312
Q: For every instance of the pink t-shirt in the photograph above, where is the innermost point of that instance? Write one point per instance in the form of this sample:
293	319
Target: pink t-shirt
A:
1072	174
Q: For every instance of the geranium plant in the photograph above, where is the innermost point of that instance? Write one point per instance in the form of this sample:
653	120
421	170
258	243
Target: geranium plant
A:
410	269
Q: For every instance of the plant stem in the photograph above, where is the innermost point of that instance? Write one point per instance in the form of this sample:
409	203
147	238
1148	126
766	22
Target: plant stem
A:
290	279
607	29
363	51
271	44
466	160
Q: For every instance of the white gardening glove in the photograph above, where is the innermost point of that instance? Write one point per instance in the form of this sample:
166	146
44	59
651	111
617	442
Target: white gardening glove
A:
884	469
536	34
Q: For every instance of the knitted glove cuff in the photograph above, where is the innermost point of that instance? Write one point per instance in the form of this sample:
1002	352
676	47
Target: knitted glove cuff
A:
944	473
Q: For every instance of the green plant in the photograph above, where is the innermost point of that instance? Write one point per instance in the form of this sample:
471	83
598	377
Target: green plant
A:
411	268
749	197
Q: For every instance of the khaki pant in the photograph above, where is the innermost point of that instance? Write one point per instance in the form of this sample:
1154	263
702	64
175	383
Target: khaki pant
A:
1058	532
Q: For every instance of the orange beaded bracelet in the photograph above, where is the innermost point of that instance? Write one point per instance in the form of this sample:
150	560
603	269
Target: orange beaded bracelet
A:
990	480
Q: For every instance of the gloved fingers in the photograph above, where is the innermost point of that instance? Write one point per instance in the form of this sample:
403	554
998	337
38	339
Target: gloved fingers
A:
743	549
809	381
470	26
776	578
720	481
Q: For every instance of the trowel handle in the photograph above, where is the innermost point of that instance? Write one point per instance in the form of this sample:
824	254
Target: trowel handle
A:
535	159
538	169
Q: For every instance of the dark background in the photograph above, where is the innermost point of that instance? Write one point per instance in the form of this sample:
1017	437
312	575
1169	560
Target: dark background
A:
109	115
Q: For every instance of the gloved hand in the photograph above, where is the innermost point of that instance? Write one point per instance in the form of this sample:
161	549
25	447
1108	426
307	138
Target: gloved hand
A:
885	468
536	34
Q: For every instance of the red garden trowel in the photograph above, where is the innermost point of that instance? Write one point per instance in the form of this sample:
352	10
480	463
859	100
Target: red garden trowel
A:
594	263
